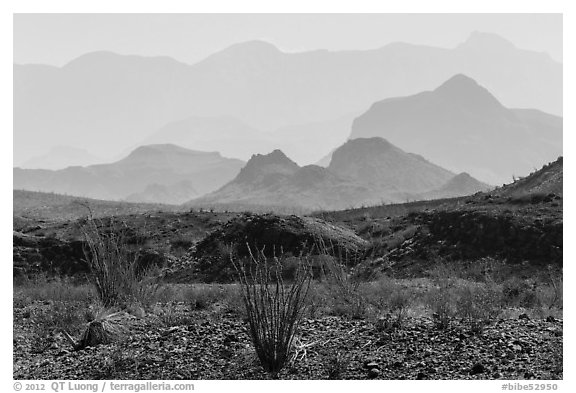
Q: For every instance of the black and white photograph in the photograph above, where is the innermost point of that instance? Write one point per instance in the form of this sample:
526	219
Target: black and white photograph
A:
287	196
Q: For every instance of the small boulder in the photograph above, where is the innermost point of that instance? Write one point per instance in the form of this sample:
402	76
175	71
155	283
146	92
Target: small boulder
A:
370	364
373	373
478	368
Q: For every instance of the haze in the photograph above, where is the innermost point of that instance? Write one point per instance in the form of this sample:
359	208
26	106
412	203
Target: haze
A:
55	39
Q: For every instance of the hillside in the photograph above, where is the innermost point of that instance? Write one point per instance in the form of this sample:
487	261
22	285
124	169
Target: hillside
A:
519	223
376	162
275	181
153	173
31	206
460	185
461	126
548	180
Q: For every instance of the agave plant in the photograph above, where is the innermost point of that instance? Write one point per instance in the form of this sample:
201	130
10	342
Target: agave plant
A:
108	326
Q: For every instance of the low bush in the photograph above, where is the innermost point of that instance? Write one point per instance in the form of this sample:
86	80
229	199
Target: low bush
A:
113	261
478	305
58	289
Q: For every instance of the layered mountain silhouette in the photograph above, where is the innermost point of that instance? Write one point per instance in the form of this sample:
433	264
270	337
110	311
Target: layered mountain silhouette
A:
106	102
461	126
152	173
233	138
376	162
362	171
460	185
60	157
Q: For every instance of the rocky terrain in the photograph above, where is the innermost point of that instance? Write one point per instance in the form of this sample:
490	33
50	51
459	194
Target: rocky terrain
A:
511	223
502	249
208	346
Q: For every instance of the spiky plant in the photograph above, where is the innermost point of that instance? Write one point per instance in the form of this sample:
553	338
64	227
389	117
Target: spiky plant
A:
114	265
108	326
274	307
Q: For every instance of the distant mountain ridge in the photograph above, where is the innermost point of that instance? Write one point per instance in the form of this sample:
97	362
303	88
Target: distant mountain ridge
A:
362	171
60	157
152	173
102	97
231	137
461	126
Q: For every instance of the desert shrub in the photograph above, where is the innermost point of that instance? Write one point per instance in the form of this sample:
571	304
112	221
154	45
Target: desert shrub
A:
58	289
274	307
48	322
347	298
518	292
551	292
479	305
234	303
379	293
441	303
389	300
203	296
318	300
399	305
114	267
169	315
336	365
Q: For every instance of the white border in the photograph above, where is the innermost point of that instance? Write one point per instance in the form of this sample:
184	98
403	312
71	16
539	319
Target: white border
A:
296	6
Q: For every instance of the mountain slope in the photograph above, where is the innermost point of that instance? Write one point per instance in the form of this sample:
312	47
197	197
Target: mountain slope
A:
460	185
362	171
102	97
276	181
547	180
153	173
377	163
463	127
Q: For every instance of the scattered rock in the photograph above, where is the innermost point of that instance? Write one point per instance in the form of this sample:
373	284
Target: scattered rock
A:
478	368
524	316
371	365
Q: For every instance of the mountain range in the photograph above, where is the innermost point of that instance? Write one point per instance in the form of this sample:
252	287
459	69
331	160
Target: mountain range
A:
60	157
152	173
363	171
105	102
306	143
461	126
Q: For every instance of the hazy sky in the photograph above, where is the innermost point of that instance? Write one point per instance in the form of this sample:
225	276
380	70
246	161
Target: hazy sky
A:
58	38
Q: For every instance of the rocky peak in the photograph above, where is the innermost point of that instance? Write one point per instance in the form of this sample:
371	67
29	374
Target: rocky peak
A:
259	165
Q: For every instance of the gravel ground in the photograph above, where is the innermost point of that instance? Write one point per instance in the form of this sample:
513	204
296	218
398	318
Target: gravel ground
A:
209	345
